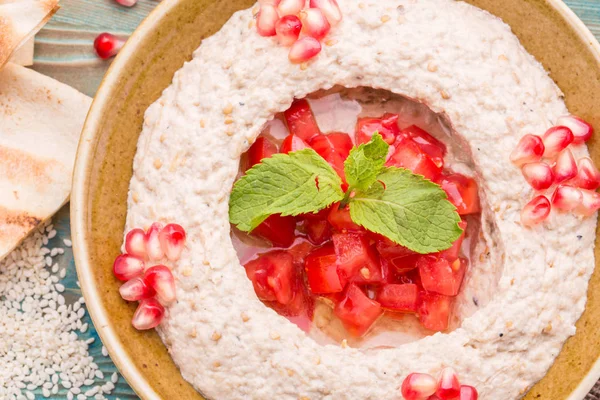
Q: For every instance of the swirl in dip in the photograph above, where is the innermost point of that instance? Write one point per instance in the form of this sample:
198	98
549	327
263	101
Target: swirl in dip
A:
473	87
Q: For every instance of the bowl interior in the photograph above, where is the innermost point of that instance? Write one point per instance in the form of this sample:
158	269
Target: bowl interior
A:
146	67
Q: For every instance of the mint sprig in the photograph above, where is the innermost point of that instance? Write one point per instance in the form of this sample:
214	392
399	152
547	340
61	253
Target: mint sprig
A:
365	162
287	184
409	210
406	208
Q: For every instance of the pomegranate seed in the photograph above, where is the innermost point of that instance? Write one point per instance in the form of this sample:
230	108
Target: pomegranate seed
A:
266	19
590	203
565	167
468	393
418	386
556	139
588	176
304	49
330	8
136	289
529	149
153	247
172	241
448	385
539	175
566	198
127	267
314	23
160	278
135	243
290	7
536	211
269	2
582	131
107	45
127	3
148	315
288	29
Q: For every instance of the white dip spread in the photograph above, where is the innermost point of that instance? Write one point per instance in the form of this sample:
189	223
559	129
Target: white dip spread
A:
458	60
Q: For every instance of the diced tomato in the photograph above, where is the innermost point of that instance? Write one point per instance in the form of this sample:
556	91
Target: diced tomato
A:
352	250
274	276
356	311
300	250
372	272
403	297
387	126
318	231
407	154
440	275
434	310
334	148
401	258
462	192
293	143
322	271
340	220
261	148
453	252
435	149
278	230
301	121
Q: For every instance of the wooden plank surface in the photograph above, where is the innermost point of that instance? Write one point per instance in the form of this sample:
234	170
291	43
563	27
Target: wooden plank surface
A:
64	50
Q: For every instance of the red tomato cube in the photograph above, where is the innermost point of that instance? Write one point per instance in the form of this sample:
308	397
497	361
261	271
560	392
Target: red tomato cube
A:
372	272
261	148
434	310
462	192
274	276
407	154
435	149
301	121
353	253
356	311
293	143
278	230
399	297
322	271
340	219
334	148
440	275
387	126
318	231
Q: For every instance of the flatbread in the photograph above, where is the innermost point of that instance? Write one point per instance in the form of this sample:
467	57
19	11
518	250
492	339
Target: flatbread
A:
20	21
24	55
40	124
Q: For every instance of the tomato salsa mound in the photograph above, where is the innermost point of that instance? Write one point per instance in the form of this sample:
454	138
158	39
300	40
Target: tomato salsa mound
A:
325	257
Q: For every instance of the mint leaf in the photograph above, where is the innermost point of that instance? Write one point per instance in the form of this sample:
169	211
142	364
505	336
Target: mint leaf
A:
286	184
409	210
365	162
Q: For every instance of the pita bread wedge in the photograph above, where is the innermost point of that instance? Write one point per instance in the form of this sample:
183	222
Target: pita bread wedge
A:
20	21
24	54
40	124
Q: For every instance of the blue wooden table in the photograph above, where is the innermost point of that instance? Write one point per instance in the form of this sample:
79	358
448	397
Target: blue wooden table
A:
64	50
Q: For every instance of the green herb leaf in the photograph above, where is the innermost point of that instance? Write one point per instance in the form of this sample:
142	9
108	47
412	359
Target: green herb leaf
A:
365	162
409	210
287	184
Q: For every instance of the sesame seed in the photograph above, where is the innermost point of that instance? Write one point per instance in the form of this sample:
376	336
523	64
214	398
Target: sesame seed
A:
67	242
385	18
216	336
228	109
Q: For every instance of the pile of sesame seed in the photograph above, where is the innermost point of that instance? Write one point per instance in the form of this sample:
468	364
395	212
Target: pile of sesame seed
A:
40	351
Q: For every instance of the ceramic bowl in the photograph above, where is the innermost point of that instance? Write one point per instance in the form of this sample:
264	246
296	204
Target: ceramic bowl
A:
145	67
